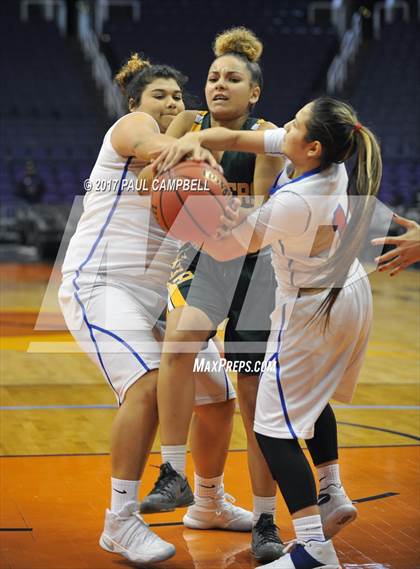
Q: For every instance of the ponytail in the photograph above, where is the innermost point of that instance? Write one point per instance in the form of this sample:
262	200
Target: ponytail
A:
335	125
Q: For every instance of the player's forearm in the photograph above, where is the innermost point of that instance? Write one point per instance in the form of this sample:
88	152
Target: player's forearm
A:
218	138
146	149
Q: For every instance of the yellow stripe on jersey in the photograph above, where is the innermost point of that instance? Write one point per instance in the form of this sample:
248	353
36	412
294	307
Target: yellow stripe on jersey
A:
257	125
198	120
176	296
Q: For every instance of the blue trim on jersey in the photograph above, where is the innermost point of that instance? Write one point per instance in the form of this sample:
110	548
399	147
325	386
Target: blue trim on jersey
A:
92	337
303	560
278	375
110	214
227	384
292	273
123	342
307	174
273	187
92	327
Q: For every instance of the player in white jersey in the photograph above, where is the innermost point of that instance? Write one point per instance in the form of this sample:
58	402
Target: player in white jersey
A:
112	294
323	314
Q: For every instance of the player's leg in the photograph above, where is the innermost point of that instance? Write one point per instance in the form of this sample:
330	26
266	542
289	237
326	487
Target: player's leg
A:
211	428
108	337
266	543
311	367
335	506
280	420
134	429
297	485
262	481
189	325
187	329
246	335
176	397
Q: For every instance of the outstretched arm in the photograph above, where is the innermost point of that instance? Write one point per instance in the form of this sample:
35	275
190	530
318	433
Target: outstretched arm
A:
407	247
220	138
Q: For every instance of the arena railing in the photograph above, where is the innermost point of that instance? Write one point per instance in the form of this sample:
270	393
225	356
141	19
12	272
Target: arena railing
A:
101	70
49	11
102	11
338	14
389	8
350	44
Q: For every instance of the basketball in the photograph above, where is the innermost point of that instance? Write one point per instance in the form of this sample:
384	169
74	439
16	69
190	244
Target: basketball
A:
188	200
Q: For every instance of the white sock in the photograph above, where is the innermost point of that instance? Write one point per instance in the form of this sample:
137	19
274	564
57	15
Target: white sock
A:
123	491
309	527
208	487
263	505
176	455
329	475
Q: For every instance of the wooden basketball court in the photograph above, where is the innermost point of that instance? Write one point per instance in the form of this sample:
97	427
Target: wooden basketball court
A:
56	413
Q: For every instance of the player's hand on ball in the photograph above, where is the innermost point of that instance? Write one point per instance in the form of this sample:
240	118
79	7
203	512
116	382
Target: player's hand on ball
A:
407	247
186	147
203	155
230	219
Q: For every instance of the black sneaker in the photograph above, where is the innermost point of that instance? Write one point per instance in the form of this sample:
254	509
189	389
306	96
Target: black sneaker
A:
170	491
266	544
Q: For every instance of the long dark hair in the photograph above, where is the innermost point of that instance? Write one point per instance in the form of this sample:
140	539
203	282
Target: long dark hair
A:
335	125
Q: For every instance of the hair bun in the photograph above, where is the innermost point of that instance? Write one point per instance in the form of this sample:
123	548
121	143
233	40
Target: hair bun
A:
133	66
238	40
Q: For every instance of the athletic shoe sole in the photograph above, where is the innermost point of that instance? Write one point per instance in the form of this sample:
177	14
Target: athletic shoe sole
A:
268	556
341	517
155	508
111	546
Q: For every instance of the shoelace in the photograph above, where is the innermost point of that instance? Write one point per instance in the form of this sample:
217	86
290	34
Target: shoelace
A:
227	502
165	478
226	499
268	532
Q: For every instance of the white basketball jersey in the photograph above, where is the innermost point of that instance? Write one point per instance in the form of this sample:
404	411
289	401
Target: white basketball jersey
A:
293	217
117	234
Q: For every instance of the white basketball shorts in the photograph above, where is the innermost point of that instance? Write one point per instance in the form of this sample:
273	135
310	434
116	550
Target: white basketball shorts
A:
312	367
115	324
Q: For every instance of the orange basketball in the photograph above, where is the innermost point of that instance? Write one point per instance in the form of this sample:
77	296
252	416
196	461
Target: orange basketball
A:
188	200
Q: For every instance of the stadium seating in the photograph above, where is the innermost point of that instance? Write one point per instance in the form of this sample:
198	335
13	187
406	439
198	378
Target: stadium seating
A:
49	109
386	92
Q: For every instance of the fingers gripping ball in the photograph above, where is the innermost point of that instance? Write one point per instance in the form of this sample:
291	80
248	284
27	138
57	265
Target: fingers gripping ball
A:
188	200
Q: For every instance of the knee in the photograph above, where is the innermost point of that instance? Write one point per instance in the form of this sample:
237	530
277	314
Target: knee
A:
216	414
143	392
180	345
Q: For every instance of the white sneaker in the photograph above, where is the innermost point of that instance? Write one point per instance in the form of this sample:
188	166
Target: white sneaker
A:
217	513
128	534
336	508
307	555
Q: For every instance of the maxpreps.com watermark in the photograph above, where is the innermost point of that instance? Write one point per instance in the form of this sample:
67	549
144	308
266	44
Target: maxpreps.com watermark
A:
157	185
239	366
